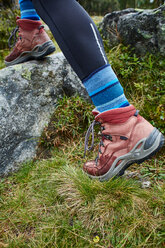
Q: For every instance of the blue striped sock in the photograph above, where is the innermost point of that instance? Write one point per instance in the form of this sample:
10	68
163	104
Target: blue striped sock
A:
105	89
27	10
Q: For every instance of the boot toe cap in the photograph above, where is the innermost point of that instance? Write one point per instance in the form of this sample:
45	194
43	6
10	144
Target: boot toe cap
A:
91	168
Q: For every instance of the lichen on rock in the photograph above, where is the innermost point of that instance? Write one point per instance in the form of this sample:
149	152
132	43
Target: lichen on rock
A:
143	30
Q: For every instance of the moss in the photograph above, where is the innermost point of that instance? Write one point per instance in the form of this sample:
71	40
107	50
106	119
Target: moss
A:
18	67
147	36
163	12
26	74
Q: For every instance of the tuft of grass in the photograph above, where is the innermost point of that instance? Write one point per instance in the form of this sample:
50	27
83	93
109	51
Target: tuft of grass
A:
70	120
118	210
54	204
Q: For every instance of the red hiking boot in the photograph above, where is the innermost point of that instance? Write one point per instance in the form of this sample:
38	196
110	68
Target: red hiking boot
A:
126	138
32	43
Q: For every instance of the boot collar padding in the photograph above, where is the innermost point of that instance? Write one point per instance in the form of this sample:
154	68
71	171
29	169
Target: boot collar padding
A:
27	24
119	115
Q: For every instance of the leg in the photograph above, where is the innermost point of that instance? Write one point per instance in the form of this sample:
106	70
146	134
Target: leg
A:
126	136
75	33
82	45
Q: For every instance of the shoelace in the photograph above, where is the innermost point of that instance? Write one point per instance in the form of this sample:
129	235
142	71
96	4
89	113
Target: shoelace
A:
89	132
13	34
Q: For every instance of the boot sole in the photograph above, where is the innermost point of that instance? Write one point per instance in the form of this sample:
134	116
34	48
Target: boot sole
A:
149	147
38	52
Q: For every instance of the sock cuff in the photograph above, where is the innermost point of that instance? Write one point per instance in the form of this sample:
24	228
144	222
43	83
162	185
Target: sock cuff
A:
27	10
118	115
105	89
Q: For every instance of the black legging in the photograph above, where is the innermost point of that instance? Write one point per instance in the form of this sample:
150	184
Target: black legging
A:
75	33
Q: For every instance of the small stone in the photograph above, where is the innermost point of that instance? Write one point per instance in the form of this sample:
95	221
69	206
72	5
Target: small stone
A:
131	174
145	184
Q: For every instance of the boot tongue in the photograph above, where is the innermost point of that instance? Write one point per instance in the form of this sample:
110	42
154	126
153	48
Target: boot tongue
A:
113	116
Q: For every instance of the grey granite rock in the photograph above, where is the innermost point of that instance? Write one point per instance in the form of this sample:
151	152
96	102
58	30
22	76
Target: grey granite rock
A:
143	30
28	96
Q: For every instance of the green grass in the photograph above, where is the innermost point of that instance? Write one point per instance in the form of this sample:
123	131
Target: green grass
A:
143	79
52	203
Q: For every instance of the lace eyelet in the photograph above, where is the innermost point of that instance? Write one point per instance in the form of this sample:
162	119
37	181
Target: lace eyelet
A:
108	137
102	128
